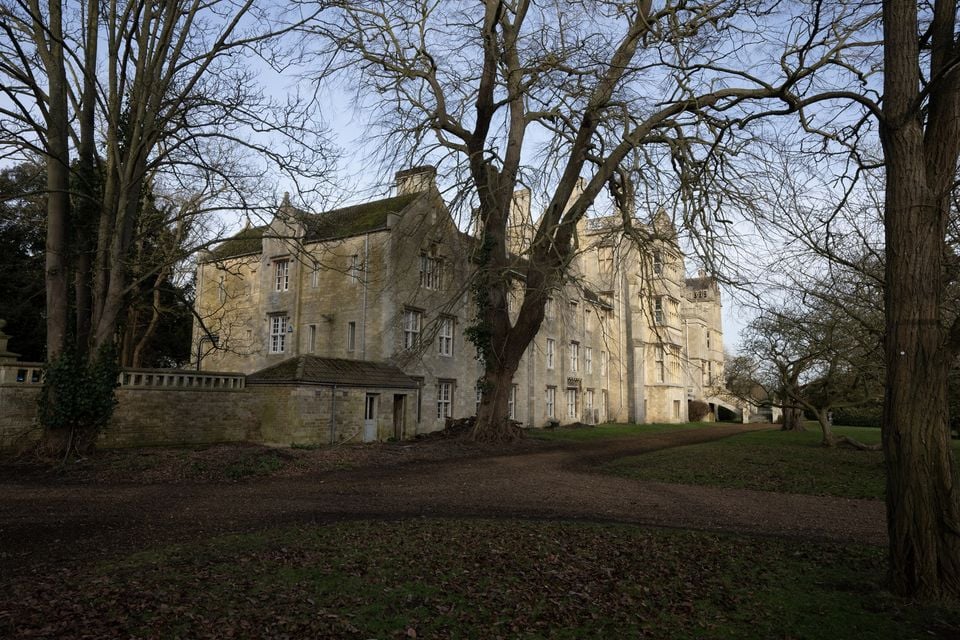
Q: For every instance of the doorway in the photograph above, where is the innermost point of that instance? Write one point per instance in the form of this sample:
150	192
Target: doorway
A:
399	403
370	418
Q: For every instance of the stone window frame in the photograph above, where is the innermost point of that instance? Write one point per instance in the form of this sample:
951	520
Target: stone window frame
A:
445	392
431	272
512	403
279	322
445	336
356	267
412	326
588	360
281	274
572	402
551	401
551	351
351	336
657	262
574	356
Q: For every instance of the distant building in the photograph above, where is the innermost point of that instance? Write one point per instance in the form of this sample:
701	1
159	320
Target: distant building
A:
386	282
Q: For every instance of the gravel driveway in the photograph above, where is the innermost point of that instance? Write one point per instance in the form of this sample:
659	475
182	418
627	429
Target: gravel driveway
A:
44	522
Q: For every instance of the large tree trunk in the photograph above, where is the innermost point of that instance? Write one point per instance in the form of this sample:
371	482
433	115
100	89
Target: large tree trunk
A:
793	419
58	183
88	200
493	421
923	490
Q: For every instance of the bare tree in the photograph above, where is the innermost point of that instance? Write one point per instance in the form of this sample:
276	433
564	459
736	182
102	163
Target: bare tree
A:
123	95
890	116
920	133
619	98
812	358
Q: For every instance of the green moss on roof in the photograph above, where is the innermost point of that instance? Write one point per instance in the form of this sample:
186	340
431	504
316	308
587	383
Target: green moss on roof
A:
307	369
250	240
338	223
360	218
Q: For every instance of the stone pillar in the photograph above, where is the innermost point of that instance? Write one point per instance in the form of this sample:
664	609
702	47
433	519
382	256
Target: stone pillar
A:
6	357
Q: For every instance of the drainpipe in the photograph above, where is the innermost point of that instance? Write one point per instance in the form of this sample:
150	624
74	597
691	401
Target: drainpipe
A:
333	415
363	316
298	330
198	298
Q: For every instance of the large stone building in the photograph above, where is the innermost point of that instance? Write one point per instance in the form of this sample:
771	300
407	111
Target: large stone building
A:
630	339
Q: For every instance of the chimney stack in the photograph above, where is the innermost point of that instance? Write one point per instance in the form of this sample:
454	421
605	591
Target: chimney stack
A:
416	179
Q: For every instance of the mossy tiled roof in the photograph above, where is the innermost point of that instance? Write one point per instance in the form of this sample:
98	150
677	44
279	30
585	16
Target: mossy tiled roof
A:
309	369
338	223
357	219
250	240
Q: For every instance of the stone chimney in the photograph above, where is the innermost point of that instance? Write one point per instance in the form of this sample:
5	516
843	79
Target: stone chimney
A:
416	179
520	223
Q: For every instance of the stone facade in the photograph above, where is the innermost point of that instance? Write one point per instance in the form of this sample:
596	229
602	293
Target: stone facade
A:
670	333
386	282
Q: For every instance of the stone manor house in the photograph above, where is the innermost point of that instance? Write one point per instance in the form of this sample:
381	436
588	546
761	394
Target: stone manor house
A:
362	310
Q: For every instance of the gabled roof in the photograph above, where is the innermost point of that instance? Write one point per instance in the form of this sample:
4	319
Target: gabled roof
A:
308	369
356	219
338	223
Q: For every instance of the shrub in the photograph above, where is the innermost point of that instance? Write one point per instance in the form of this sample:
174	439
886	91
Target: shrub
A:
866	416
697	410
77	398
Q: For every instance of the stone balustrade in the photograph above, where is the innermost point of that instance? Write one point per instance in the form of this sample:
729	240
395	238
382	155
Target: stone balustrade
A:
26	373
31	374
181	379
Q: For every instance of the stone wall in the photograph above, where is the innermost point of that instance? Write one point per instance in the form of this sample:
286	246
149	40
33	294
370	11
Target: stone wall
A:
157	408
320	414
18	412
153	408
151	417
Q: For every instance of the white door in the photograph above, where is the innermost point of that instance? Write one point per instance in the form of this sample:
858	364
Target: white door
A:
370	419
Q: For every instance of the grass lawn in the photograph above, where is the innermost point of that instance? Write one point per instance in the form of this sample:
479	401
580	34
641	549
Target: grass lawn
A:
476	579
769	461
609	431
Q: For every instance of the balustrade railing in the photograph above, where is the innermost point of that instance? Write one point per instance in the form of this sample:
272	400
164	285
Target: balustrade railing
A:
31	374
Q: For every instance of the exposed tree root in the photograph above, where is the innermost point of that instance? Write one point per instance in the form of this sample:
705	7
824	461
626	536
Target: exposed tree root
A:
852	443
507	431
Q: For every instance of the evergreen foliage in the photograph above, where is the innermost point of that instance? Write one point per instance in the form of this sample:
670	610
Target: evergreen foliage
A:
78	396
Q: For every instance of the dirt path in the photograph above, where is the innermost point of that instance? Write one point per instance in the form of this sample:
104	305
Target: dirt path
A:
42	522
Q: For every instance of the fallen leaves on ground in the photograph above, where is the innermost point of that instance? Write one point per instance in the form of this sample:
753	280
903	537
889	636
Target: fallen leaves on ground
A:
463	578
